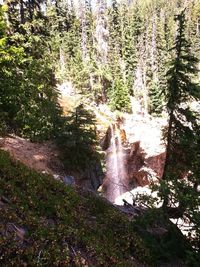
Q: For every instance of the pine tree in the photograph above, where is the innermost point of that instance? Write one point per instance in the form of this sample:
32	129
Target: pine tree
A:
119	97
11	58
128	43
33	81
155	99
77	138
101	50
158	81
181	171
121	56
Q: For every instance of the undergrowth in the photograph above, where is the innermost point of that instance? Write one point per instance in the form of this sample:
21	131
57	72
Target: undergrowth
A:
46	223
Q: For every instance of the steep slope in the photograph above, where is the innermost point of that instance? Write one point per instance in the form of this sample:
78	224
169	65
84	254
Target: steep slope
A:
44	223
43	157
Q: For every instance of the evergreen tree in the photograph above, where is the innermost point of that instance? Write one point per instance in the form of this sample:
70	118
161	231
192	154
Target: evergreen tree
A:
158	79
32	86
121	54
101	51
77	138
114	27
180	179
119	97
128	43
156	99
11	58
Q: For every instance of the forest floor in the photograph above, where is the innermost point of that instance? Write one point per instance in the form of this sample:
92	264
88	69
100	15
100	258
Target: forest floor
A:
44	223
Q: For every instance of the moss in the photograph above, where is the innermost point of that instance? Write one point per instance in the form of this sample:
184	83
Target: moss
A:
62	225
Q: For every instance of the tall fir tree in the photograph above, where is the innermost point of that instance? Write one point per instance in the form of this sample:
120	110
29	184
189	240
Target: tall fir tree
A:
180	180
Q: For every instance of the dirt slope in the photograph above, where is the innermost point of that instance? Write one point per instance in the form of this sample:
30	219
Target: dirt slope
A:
43	157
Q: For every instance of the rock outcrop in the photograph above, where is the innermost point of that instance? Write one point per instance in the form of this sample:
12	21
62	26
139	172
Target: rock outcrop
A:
143	149
143	152
92	177
147	150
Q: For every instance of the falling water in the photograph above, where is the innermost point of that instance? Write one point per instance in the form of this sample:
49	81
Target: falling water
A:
116	171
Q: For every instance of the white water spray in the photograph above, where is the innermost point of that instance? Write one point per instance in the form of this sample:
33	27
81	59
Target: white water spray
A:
116	171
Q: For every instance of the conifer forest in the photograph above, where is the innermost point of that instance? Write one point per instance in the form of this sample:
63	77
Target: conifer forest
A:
100	133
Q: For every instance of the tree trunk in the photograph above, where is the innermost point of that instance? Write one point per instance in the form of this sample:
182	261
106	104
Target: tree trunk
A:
22	18
168	152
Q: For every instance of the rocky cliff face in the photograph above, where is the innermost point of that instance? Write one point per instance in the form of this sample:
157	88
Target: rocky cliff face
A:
147	150
143	148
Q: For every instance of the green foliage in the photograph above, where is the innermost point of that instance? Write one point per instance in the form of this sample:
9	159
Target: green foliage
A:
28	99
161	237
77	138
156	100
181	171
119	97
114	43
10	59
62	226
3	124
130	32
39	111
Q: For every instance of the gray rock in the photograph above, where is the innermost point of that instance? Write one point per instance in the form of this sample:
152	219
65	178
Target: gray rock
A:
69	180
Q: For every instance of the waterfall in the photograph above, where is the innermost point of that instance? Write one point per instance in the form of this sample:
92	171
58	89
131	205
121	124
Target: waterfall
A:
115	164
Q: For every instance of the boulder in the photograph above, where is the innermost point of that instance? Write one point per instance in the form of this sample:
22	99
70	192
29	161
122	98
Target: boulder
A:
69	180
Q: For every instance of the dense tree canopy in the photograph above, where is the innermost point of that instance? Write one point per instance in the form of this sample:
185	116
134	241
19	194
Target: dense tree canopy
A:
124	43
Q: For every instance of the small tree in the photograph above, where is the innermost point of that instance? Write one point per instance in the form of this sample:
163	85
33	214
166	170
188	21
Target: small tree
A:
156	101
119	97
77	138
